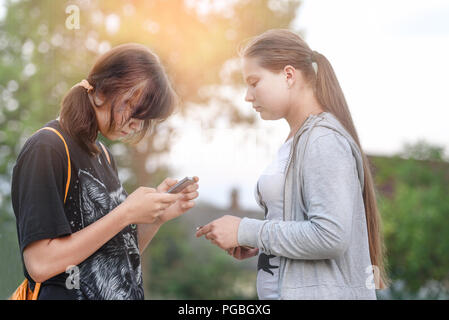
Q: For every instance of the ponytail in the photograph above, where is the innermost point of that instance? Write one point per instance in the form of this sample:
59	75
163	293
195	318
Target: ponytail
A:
330	96
78	119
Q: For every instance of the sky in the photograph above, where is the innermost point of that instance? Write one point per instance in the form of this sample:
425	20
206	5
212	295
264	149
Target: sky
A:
391	59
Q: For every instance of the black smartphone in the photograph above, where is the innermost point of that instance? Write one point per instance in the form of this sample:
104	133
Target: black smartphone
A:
187	181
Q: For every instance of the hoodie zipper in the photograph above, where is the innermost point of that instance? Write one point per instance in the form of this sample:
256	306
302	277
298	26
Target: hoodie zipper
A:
290	157
295	142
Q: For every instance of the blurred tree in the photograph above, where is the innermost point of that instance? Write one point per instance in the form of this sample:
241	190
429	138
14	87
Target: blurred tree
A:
40	59
193	269
413	203
422	150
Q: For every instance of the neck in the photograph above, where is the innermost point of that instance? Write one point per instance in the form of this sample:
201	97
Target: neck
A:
302	107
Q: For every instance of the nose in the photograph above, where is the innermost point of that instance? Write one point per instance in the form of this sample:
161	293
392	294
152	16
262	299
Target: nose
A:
249	96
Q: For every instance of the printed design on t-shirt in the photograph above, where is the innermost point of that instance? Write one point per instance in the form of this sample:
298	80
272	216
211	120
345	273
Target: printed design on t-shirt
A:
264	263
114	271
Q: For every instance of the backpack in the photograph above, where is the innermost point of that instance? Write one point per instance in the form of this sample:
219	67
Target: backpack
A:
23	292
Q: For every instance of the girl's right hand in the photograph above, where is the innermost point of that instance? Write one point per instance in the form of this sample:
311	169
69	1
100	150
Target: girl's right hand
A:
242	253
144	205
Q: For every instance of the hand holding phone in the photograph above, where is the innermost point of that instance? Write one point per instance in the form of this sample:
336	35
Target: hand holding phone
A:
243	252
181	185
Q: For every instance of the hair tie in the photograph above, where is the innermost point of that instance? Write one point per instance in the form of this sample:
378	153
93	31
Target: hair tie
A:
315	67
314	64
85	84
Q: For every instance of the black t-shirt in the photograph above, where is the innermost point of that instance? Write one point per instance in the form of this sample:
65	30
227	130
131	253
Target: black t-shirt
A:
38	187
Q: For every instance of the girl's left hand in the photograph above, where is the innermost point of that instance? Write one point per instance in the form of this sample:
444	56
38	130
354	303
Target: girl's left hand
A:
222	232
242	253
186	203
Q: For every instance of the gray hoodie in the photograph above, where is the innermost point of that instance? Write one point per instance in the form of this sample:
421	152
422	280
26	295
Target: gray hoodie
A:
323	238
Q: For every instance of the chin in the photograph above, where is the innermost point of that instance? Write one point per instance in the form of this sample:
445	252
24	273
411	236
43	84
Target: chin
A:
268	117
112	137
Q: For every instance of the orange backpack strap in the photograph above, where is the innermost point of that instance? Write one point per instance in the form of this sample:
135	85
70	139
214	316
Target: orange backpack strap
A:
69	170
37	287
23	292
105	152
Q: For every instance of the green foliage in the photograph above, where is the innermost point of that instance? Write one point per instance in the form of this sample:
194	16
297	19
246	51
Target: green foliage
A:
414	209
180	267
422	150
11	274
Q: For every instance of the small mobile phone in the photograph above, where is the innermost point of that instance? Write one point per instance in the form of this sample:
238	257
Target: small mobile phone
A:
187	181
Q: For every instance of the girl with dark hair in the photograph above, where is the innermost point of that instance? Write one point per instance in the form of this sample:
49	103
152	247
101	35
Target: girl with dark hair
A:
80	235
321	237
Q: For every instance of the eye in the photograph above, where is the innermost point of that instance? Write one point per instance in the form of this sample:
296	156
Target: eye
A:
254	84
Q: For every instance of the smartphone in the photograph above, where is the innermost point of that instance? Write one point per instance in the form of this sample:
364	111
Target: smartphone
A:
187	181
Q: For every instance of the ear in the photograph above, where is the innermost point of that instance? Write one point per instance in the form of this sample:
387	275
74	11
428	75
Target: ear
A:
290	75
98	98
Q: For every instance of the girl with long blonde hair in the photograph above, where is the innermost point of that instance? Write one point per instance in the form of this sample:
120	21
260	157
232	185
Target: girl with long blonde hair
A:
321	237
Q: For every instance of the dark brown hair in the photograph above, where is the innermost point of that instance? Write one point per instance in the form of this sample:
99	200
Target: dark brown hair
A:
278	48
129	74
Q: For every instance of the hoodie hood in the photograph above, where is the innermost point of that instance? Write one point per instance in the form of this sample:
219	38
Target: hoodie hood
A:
328	120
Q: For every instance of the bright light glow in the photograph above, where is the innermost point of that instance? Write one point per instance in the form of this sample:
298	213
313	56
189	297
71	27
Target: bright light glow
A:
391	60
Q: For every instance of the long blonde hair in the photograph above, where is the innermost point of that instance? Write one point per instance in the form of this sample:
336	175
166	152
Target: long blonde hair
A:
277	48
